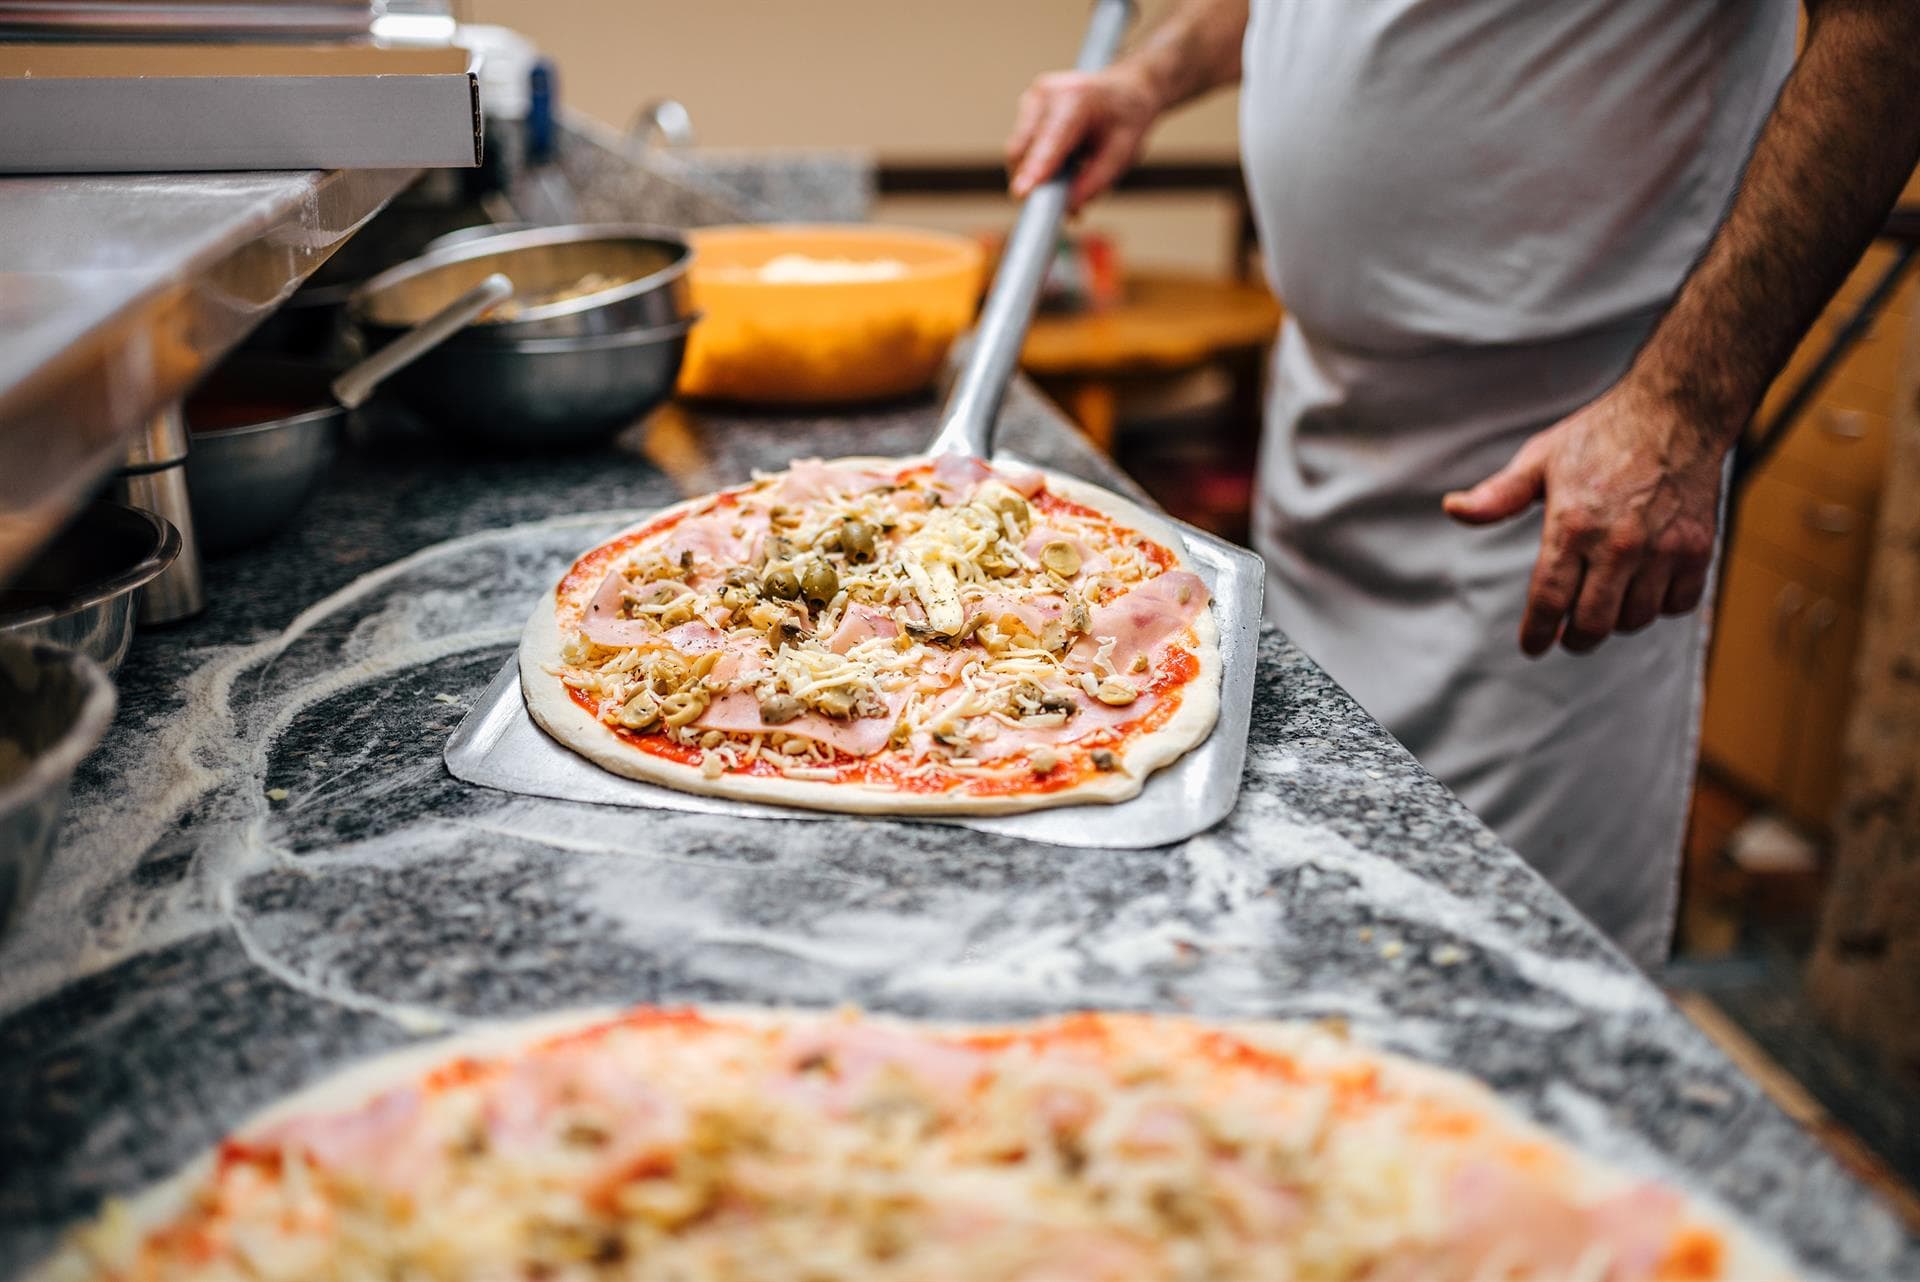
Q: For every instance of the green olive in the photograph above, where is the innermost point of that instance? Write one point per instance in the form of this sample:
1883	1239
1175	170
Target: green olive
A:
782	583
857	537
778	709
819	582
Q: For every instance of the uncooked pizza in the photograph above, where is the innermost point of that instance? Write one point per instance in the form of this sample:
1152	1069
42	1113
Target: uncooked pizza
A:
879	636
746	1146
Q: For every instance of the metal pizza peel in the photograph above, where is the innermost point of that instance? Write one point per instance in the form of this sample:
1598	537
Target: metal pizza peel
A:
498	746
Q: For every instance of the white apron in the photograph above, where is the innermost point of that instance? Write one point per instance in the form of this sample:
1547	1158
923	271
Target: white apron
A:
1474	211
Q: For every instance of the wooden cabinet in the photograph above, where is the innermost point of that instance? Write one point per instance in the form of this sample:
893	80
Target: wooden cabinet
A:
1779	685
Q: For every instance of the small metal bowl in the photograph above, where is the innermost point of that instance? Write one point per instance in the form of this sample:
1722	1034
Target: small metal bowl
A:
79	592
54	708
650	263
543	391
264	432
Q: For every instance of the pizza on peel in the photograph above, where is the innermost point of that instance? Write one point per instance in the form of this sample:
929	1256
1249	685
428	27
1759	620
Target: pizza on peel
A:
879	636
765	1146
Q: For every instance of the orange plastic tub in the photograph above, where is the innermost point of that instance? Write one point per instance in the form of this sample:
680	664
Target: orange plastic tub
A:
851	313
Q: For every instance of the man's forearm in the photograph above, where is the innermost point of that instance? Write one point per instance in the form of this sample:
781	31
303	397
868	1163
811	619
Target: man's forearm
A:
1193	50
1829	163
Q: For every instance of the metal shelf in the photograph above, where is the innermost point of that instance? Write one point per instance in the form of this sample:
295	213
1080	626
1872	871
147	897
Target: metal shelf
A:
118	292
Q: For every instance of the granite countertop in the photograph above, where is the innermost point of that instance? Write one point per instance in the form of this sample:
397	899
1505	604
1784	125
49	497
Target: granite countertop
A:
268	872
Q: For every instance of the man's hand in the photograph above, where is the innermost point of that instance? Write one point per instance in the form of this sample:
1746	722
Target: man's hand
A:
1195	48
1632	491
1108	112
1632	482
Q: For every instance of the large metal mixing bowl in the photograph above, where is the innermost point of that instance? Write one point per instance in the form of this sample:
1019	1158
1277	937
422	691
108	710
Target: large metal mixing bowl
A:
264	433
546	391
54	708
79	592
649	263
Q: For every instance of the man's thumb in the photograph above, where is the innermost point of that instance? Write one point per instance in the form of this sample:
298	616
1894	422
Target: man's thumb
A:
1508	492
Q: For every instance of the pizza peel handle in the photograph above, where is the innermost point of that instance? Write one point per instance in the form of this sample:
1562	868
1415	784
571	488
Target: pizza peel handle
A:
966	424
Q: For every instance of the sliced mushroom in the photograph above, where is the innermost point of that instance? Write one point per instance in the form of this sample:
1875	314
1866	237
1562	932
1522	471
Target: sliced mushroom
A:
1078	617
1055	701
639	712
778	708
1116	693
1060	557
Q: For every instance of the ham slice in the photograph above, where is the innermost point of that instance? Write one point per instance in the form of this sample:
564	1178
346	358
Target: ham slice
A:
725	537
956	476
1144	617
1032	613
847	1061
383	1141
1505	1216
1089	715
604	626
602	622
1025	484
739	713
1091	562
808	479
695	638
861	623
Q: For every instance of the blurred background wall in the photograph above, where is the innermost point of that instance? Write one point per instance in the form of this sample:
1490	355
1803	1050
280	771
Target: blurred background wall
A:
914	80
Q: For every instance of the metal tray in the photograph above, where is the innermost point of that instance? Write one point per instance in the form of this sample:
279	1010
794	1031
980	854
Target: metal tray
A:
498	746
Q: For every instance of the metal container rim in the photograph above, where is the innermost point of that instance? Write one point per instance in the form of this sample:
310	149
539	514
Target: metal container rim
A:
88	728
508	243
166	547
318	414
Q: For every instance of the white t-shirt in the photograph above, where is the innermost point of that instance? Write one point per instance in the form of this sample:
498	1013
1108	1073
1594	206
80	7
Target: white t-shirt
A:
1428	173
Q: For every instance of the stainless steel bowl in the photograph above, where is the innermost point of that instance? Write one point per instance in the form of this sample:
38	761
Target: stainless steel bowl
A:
543	391
79	592
54	708
467	235
651	264
264	432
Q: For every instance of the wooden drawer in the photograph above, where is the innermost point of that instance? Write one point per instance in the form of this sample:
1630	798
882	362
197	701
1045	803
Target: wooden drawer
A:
1829	541
1753	680
1827	635
1838	452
